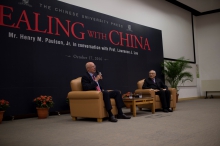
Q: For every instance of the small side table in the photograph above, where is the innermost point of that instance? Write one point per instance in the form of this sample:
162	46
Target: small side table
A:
138	101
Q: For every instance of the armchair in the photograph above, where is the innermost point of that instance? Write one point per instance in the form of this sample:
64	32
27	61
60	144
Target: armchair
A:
87	104
151	93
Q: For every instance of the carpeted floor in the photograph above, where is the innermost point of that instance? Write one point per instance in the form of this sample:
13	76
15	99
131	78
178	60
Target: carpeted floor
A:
194	123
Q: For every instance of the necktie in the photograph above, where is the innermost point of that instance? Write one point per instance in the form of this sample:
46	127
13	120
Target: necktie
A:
153	80
97	87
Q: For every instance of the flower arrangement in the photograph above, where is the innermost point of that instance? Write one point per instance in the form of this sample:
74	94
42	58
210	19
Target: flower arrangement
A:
130	93
126	94
44	101
4	104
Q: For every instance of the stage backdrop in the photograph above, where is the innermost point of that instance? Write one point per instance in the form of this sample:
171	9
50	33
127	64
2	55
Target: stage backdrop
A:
46	43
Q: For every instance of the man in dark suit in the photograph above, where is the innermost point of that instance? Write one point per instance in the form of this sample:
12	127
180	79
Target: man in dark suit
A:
160	89
90	82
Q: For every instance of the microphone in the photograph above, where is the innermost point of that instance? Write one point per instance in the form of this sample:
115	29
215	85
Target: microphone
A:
98	73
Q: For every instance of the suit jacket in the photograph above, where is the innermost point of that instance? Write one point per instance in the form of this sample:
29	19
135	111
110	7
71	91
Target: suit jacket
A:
149	84
88	83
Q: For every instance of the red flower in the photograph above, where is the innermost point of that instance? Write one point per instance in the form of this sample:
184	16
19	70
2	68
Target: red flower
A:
43	97
44	101
3	105
2	101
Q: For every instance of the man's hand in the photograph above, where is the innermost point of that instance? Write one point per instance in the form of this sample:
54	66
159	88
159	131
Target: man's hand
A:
156	90
98	77
101	77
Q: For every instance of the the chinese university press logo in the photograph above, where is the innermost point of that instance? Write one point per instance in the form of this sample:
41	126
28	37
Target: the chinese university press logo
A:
25	2
129	28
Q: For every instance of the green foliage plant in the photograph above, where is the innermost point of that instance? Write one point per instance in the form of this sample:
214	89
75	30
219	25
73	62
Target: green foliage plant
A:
175	73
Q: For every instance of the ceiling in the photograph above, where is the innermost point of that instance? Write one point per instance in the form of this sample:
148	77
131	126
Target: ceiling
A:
198	7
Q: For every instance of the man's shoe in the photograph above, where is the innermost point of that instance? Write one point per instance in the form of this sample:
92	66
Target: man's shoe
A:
170	110
165	110
123	116
112	119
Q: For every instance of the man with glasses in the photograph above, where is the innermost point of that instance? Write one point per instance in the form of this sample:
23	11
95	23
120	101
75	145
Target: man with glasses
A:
160	89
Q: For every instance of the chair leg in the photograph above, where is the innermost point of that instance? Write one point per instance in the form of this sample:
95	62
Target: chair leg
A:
74	118
173	109
99	119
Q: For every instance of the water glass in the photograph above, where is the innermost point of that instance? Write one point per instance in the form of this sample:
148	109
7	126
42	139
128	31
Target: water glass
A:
130	96
140	95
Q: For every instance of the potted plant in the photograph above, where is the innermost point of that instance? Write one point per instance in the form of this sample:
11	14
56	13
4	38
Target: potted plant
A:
43	104
175	73
4	104
125	96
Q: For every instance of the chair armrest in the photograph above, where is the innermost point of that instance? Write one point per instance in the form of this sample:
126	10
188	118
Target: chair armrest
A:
145	92
85	95
172	89
113	90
